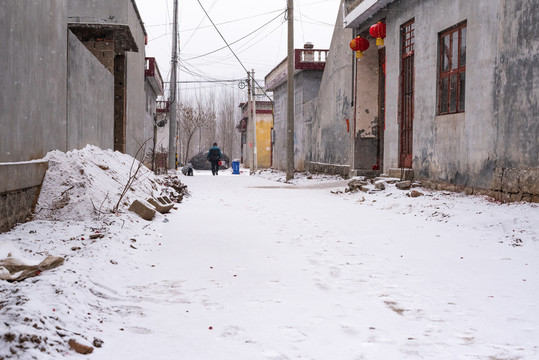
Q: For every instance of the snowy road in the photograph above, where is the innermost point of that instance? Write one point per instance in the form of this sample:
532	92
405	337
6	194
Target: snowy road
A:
249	268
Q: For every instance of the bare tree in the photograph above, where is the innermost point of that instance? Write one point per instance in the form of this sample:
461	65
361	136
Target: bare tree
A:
196	118
227	118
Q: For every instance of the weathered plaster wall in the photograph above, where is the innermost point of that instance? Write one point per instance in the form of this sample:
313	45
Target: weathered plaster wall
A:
494	144
366	115
516	90
149	111
327	135
452	148
279	127
99	11
306	85
136	128
90	102
33	65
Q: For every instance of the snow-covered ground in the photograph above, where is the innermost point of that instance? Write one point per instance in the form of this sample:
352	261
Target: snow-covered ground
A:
251	267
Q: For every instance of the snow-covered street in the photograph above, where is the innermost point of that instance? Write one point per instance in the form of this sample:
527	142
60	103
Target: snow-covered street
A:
250	267
253	269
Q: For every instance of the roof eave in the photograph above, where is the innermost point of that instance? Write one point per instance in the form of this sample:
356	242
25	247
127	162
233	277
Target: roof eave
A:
364	12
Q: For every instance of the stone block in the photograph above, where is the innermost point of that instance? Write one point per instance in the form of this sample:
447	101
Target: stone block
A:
160	206
143	209
510	181
381	185
497	179
529	181
401	173
356	184
404	185
165	200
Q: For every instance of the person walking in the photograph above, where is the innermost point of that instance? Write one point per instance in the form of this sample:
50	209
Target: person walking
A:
214	155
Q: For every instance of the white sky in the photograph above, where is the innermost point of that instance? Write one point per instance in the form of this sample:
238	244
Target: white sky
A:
261	51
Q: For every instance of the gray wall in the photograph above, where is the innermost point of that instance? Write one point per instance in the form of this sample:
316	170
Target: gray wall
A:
33	65
306	85
99	11
516	85
496	138
327	132
366	115
279	127
90	100
136	97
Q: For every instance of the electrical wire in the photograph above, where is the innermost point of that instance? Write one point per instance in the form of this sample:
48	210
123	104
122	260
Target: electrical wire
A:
240	50
200	23
234	42
236	56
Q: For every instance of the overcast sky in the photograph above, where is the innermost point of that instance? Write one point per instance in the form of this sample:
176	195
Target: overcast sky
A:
261	24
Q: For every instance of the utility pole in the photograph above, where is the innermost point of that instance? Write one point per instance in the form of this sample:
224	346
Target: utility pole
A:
173	130
290	95
249	119
255	159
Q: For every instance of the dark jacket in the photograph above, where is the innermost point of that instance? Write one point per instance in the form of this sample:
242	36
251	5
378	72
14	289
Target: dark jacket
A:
214	154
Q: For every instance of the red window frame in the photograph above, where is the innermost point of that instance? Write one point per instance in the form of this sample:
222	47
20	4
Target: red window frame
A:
452	70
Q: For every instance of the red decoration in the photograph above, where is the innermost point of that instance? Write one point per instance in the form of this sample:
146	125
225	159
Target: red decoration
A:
359	44
378	31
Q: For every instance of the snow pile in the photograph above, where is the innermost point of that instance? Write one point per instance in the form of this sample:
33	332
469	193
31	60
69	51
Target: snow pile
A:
51	314
84	184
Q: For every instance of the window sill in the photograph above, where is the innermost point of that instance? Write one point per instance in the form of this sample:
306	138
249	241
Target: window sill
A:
451	117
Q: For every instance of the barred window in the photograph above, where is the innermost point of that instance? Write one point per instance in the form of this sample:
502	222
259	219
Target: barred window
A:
452	70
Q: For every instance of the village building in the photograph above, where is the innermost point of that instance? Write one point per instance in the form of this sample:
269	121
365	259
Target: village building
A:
264	134
309	64
73	77
451	97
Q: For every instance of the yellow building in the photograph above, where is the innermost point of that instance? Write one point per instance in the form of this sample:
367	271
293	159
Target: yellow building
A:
263	141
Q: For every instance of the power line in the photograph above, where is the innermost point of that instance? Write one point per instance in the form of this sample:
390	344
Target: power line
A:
222	23
236	56
243	37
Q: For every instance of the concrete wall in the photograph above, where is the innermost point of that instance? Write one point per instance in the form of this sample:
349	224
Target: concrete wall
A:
306	86
279	127
136	131
454	148
516	85
136	103
99	11
90	102
327	133
366	109
149	111
33	65
496	138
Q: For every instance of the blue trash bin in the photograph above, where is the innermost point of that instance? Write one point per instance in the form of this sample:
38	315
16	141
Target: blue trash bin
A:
235	167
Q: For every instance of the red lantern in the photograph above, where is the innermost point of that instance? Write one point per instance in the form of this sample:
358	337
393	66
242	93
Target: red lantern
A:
378	31
359	45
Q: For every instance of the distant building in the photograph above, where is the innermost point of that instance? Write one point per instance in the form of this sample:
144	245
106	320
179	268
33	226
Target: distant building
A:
309	66
264	130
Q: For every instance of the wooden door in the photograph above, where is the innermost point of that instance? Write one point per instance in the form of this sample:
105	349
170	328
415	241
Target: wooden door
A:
407	94
381	106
